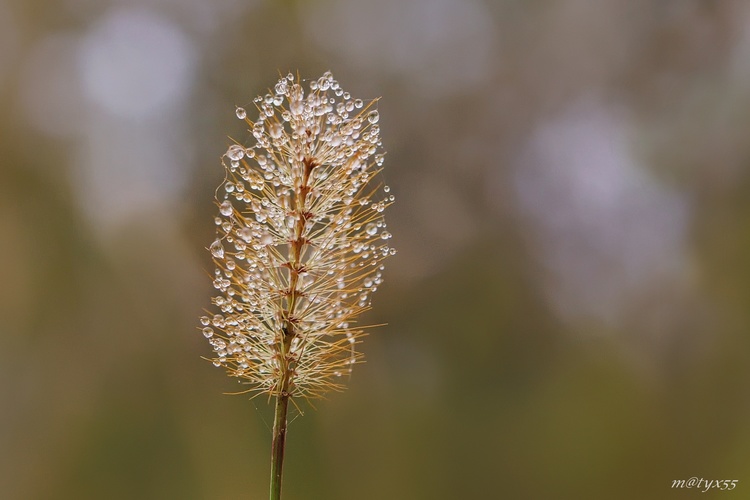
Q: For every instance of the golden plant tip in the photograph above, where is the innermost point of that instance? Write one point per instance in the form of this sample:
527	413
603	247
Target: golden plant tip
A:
300	239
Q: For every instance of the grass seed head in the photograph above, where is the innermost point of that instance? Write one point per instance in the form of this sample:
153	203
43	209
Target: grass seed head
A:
301	239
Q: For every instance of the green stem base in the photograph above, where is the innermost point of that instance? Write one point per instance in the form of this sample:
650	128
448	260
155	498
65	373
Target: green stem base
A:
277	447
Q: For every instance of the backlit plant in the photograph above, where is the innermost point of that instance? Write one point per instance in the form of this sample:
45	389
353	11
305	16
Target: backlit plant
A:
300	245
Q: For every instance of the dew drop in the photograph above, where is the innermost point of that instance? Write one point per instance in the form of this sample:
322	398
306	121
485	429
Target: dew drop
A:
241	113
373	117
208	332
387	189
235	152
217	250
229	186
218	321
358	103
275	130
371	228
245	233
225	208
297	107
205	320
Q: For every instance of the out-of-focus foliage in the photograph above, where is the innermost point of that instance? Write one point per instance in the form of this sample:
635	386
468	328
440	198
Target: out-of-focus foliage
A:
568	311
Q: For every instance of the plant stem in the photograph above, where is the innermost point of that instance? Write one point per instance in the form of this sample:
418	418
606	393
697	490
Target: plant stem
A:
277	447
296	250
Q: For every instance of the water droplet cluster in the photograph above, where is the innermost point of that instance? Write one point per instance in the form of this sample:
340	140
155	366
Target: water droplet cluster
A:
300	240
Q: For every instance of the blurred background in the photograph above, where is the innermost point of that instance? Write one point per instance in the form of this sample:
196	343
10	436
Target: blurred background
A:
568	311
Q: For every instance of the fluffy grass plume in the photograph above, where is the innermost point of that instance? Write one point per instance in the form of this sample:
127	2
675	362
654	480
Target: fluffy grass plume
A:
300	244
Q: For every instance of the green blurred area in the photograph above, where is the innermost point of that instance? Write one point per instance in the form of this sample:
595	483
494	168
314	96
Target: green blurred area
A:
524	356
